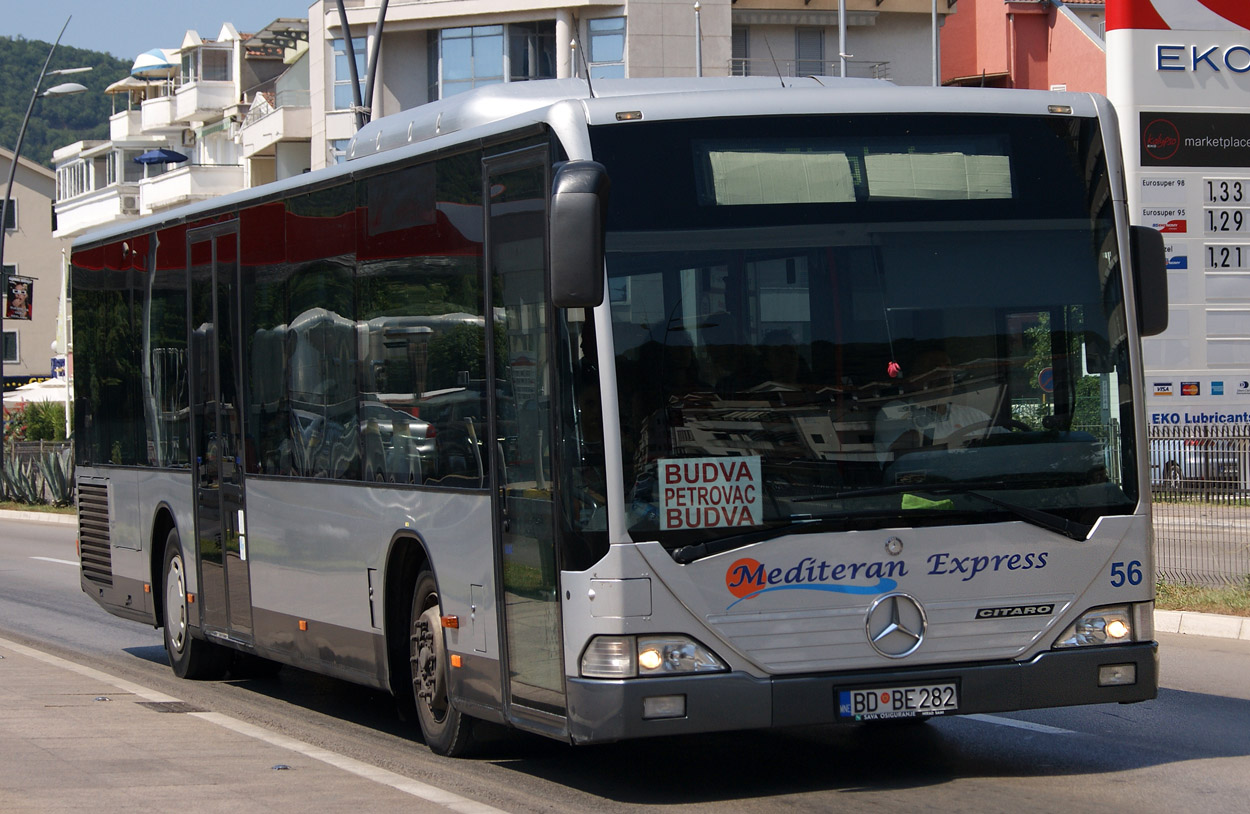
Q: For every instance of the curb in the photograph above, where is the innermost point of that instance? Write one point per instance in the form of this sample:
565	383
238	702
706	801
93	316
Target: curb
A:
39	517
1188	623
1203	624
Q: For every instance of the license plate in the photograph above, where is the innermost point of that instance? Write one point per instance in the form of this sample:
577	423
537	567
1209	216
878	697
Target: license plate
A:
897	702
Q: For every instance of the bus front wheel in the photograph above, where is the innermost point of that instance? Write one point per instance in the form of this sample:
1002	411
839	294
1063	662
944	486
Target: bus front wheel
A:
446	730
188	656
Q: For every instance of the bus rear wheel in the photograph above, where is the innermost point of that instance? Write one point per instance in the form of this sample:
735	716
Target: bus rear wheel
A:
446	730
188	656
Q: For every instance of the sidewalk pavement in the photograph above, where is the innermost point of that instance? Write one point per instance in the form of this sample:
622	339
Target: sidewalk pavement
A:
74	739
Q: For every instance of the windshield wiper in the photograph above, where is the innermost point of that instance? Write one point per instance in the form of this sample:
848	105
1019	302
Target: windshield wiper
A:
1038	517
800	524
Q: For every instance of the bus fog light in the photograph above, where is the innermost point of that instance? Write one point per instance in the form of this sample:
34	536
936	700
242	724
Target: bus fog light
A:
664	706
1117	675
666	655
1111	625
609	657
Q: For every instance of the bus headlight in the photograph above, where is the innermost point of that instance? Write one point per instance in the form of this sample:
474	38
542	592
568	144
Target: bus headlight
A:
630	656
1109	625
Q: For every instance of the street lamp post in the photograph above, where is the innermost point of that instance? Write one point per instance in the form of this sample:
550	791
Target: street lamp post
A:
63	89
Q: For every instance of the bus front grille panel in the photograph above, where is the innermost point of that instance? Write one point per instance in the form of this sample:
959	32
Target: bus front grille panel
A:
94	543
802	640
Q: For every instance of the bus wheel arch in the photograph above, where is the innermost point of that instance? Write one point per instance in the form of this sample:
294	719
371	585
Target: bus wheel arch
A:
447	731
189	656
162	524
405	561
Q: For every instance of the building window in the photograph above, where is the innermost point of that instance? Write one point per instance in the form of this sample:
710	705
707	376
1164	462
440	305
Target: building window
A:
809	51
343	98
208	65
607	48
10	217
740	51
489	54
531	51
337	149
215	65
10	347
471	57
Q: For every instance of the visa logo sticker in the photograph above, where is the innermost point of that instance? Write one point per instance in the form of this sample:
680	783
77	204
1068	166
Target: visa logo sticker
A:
1163	388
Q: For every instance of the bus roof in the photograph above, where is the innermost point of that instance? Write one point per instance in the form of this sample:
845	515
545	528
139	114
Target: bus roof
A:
686	97
568	104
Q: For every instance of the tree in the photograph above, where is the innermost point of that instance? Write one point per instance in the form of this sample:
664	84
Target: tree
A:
64	120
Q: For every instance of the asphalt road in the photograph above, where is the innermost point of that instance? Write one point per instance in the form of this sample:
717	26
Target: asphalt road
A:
1187	750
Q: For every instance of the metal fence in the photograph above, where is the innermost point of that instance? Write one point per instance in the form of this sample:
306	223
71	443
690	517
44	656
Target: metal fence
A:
28	454
1200	482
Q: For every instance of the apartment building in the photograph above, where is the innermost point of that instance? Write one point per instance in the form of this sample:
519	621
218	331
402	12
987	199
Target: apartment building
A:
31	292
429	49
177	134
239	110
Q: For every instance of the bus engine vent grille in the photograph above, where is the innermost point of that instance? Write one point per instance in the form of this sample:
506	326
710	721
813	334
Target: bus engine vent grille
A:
93	532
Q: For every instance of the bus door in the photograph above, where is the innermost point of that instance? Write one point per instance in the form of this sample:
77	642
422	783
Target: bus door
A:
217	431
516	187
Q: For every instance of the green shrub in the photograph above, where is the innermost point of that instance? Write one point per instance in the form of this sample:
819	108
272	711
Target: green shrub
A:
45	421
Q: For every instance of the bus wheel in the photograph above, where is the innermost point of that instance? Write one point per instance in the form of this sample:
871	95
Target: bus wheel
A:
190	657
446	730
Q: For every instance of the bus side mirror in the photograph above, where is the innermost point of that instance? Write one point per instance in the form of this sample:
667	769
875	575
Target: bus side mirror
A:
1150	280
579	208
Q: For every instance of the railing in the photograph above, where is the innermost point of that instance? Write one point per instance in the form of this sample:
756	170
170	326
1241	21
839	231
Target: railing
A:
860	69
25	476
1200	482
267	103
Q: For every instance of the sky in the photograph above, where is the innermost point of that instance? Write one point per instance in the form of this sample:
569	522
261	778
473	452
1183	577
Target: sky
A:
128	28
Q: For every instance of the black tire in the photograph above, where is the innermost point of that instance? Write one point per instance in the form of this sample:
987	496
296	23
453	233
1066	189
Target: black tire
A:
447	731
188	656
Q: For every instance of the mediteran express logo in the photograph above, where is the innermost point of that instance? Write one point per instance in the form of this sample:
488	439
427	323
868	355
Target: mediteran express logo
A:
748	578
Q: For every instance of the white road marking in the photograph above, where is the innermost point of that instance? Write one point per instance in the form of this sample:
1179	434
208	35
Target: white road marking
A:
54	559
415	788
1012	722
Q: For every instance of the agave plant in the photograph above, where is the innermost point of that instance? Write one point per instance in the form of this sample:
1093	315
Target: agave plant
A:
57	467
20	482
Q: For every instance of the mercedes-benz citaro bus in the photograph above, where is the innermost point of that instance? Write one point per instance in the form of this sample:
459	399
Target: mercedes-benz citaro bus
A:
657	407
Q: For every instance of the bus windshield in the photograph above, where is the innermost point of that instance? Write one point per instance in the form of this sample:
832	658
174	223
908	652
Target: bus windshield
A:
865	321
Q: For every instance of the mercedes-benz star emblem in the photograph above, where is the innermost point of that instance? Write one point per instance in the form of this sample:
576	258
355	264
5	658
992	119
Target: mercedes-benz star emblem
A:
896	625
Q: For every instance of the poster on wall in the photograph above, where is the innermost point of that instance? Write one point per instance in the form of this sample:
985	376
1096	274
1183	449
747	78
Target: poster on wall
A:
18	295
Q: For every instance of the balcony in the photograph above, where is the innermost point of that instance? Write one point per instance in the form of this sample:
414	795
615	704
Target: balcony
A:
202	101
158	115
188	184
273	119
126	125
82	213
859	69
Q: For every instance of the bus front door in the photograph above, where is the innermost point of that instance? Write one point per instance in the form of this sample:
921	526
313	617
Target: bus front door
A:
516	192
217	432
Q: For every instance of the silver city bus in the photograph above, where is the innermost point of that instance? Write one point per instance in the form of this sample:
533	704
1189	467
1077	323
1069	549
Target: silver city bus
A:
666	406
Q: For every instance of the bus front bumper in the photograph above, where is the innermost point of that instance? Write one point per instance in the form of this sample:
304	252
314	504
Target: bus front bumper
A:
608	710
